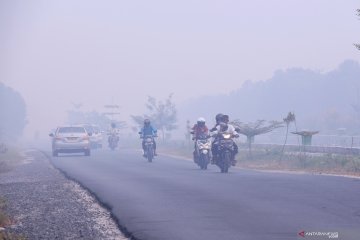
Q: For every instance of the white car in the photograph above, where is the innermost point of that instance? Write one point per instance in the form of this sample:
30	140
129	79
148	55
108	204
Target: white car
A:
70	139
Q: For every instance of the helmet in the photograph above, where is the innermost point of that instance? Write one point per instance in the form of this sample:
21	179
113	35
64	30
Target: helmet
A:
225	118
218	117
201	120
146	121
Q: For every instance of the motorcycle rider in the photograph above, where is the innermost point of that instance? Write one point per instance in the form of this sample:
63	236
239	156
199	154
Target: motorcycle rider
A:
147	130
113	132
222	127
198	130
218	119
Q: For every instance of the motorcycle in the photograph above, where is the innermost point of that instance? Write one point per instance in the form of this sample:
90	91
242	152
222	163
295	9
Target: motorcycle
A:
113	141
149	147
225	151
202	151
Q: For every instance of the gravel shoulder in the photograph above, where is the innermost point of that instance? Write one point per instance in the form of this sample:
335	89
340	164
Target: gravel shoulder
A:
44	204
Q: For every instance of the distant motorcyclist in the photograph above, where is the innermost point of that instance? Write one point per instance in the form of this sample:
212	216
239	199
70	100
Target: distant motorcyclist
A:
113	131
199	130
222	127
113	138
148	130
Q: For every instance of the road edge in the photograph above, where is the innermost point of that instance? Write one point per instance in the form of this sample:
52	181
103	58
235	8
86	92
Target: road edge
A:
104	205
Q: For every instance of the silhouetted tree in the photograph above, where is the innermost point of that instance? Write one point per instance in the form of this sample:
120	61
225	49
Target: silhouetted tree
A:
250	130
163	114
12	113
289	119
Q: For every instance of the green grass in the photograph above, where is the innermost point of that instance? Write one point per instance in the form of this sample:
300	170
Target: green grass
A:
4	219
11	236
8	161
310	162
270	159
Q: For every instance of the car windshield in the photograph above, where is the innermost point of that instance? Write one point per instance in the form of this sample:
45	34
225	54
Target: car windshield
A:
71	130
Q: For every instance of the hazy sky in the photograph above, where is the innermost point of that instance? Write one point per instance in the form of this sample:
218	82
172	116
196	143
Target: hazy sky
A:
90	52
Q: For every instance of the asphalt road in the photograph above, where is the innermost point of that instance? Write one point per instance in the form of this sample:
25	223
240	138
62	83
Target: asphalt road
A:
172	199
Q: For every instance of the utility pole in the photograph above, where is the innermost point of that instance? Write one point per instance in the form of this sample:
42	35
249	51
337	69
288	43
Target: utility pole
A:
113	110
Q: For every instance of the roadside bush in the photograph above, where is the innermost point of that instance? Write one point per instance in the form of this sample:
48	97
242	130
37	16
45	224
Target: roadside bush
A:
11	236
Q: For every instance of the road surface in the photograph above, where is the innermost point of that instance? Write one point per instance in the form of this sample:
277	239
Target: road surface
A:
172	199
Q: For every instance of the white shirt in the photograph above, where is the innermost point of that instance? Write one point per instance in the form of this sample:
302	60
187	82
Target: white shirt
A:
230	129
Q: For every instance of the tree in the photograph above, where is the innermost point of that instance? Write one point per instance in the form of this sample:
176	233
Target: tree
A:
12	113
250	130
163	114
289	119
356	44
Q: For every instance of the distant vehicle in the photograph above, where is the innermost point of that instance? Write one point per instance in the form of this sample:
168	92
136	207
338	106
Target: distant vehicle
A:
96	137
70	139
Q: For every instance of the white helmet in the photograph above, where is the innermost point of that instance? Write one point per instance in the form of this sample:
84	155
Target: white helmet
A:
201	120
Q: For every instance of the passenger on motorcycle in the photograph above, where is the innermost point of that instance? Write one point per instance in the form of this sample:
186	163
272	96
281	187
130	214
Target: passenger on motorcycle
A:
218	119
148	130
222	127
199	130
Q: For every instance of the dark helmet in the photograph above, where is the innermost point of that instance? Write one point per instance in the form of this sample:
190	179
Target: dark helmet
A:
113	125
146	121
201	121
225	118
218	117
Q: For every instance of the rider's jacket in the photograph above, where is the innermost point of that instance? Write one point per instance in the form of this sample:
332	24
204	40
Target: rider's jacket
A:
148	130
230	129
199	131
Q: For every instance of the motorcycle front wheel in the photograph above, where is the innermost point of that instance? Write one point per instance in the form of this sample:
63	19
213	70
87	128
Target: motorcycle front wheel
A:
203	161
224	166
150	154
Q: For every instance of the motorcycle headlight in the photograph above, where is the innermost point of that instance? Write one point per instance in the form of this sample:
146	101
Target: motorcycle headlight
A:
207	145
149	140
226	135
